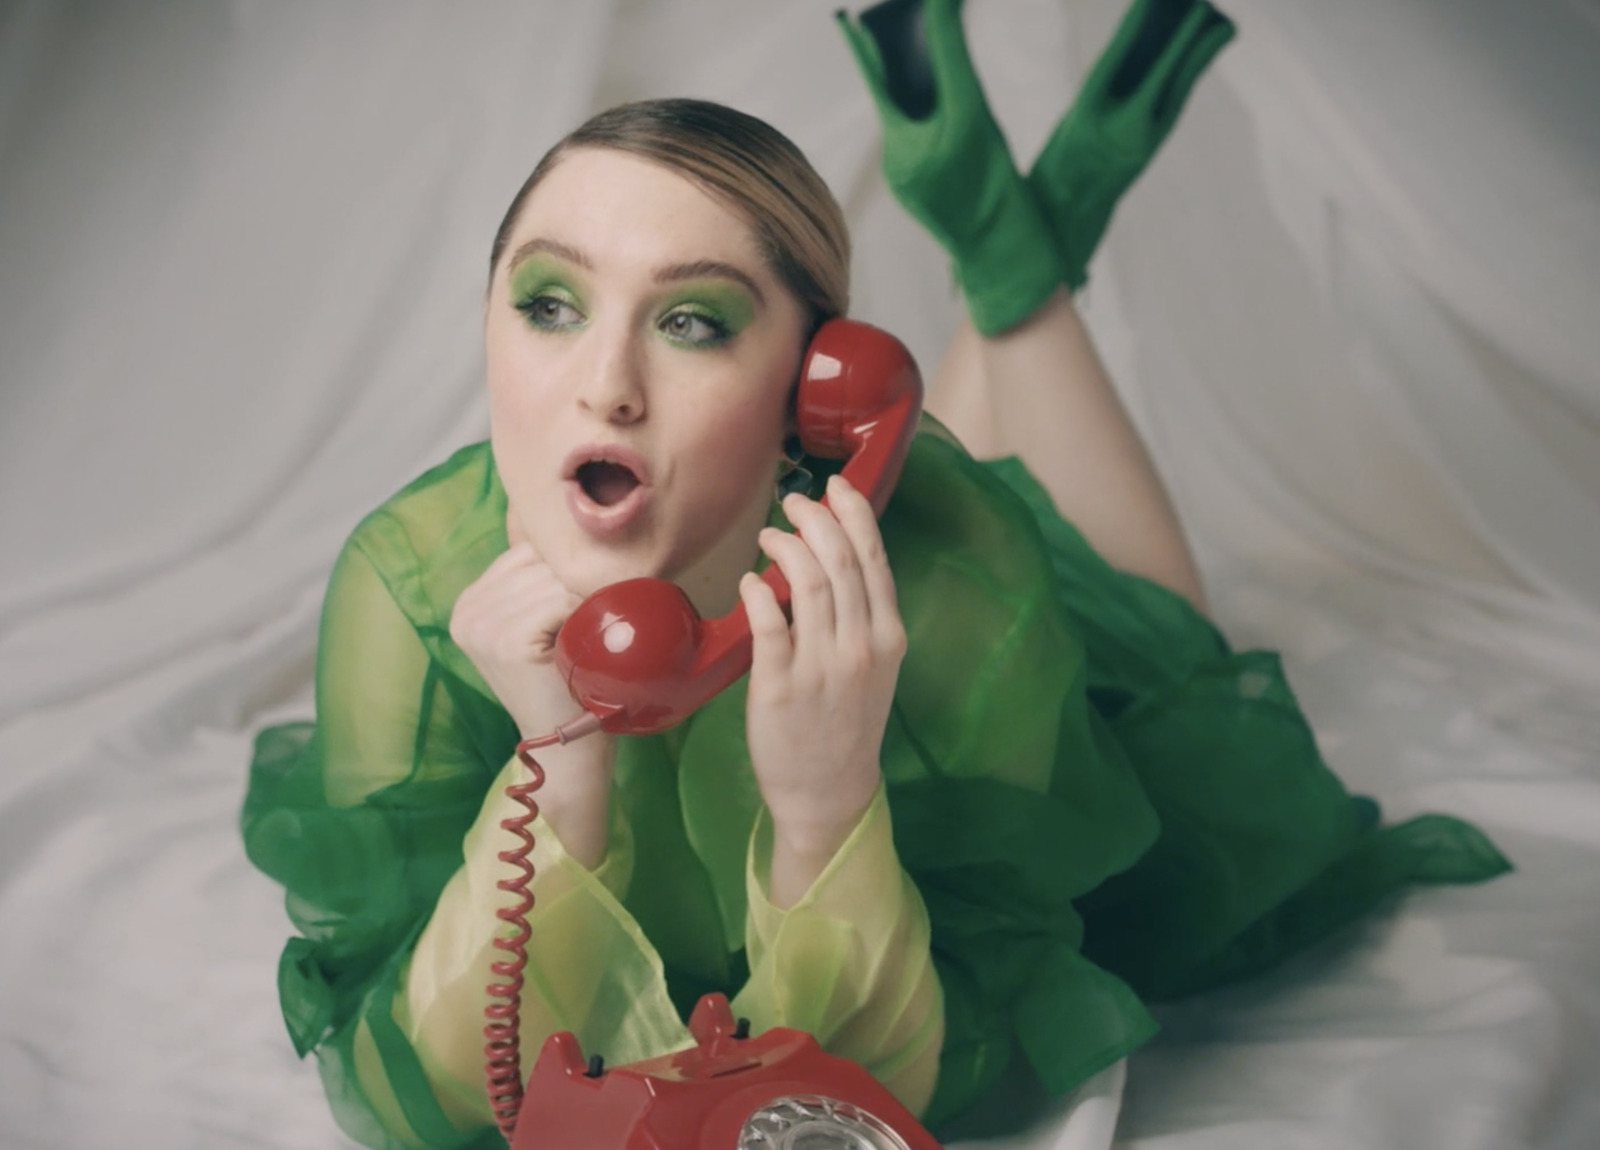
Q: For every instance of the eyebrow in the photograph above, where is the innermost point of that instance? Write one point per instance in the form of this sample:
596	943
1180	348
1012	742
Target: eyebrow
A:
710	269
554	247
671	273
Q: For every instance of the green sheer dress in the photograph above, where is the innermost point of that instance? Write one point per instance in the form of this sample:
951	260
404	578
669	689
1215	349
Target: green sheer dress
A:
1100	804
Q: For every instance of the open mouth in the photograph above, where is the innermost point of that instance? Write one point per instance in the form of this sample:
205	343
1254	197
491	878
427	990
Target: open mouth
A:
606	482
608	487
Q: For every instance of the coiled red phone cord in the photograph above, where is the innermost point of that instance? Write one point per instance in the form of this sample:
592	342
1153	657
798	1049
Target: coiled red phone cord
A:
501	1051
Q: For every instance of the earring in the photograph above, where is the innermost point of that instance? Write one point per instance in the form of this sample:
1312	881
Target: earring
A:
793	475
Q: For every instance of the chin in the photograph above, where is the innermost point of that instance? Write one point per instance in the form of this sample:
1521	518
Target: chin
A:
584	574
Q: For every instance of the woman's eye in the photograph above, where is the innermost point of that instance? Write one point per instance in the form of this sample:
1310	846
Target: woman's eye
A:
548	311
695	328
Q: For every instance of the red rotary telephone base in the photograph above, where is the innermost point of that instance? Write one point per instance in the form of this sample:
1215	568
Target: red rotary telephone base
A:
729	1092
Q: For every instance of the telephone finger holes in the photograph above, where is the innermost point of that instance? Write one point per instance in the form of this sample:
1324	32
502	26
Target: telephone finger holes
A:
813	1122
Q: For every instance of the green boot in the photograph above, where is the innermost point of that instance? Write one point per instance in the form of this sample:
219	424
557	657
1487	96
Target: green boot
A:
1119	119
947	162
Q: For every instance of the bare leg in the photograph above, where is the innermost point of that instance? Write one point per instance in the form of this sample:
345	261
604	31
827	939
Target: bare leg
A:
1040	391
1033	384
958	394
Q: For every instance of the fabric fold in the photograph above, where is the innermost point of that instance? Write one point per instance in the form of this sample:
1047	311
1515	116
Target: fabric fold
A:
1089	802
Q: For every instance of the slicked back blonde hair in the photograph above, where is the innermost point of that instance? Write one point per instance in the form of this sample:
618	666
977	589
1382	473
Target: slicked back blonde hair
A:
746	162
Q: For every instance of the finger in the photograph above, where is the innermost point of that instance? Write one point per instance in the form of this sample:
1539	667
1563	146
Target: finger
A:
542	598
519	588
519	611
771	646
544	615
812	596
516	556
857	520
829	542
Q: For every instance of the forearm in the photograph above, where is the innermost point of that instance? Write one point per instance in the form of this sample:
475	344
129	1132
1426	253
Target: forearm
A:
575	797
590	969
849	962
805	839
505	622
1047	398
899	1038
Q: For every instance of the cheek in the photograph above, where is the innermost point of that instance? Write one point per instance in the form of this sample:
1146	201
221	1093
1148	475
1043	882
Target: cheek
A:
514	424
524	388
511	408
747	424
730	457
499	371
519	426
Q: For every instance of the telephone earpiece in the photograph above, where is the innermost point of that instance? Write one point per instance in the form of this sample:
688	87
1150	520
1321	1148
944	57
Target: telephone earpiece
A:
636	655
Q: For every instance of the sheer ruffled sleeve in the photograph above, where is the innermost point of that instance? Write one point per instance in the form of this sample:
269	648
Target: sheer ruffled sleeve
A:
591	970
361	818
849	962
382	822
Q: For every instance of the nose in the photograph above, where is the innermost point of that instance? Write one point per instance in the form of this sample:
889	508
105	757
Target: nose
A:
613	386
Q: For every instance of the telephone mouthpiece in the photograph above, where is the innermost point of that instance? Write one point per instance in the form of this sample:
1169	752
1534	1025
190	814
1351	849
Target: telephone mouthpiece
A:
628	653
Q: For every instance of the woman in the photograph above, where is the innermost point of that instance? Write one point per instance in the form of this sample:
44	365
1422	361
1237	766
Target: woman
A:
976	737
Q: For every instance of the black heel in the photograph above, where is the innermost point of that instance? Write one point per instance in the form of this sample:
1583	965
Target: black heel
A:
1157	23
902	35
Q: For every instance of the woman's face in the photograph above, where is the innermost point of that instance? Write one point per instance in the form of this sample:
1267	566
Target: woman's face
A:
640	359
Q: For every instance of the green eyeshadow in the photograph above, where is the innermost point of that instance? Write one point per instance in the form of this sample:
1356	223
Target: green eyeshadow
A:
715	310
538	274
729	305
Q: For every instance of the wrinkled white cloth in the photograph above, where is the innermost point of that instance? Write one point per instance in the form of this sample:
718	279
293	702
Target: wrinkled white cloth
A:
1352	304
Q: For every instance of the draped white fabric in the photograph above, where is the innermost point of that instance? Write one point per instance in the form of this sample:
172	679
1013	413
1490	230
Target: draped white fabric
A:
1355	304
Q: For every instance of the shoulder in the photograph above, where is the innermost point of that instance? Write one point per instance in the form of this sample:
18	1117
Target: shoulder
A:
949	508
991	656
437	533
452	504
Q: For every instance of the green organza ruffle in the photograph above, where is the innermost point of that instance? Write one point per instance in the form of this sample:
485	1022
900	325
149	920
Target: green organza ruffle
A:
1100	803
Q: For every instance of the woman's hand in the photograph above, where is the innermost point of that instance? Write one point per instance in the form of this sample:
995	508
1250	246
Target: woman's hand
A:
506	622
821	687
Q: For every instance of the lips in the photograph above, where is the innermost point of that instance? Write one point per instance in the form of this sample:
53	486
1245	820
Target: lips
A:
608	487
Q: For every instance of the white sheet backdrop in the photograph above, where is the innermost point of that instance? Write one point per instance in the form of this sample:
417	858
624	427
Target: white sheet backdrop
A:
1354	305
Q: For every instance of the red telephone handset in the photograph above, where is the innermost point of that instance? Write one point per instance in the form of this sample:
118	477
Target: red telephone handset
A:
638	659
636	655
